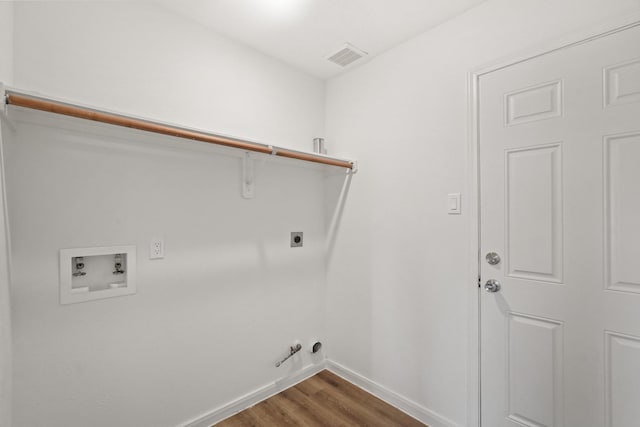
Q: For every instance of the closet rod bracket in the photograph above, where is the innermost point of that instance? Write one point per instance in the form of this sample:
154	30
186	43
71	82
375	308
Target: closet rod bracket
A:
5	100
248	176
4	111
354	168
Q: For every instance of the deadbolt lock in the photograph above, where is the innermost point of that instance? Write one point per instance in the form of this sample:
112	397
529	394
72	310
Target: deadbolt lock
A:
492	258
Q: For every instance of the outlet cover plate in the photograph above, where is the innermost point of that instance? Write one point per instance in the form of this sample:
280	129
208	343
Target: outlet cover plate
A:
156	249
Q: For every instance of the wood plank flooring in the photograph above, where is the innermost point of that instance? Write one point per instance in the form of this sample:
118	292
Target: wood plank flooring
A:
320	401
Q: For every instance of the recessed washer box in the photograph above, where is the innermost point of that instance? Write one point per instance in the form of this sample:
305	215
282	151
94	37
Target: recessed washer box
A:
94	273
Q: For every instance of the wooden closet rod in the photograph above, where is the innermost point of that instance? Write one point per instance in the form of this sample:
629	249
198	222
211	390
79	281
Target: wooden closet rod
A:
66	109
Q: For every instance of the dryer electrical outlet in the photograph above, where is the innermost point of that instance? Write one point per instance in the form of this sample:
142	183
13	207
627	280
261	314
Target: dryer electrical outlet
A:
296	239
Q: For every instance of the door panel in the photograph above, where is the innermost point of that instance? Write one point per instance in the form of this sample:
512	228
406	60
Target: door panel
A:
534	213
535	103
622	379
622	212
534	380
560	202
622	83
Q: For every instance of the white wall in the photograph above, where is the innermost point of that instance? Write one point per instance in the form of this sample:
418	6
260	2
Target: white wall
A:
5	307
6	42
131	57
6	77
399	275
211	318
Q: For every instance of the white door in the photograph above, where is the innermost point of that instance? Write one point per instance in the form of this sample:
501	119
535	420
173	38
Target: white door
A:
560	205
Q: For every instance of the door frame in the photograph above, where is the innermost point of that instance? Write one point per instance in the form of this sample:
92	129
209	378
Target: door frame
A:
603	29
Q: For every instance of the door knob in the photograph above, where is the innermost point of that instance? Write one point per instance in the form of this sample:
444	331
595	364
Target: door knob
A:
492	285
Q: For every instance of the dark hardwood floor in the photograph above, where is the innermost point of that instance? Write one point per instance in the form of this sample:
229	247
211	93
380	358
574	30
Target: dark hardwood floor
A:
320	401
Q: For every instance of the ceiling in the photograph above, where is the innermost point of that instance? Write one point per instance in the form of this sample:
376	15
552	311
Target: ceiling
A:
303	33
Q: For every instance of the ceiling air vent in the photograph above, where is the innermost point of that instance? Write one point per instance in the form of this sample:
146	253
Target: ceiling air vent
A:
346	55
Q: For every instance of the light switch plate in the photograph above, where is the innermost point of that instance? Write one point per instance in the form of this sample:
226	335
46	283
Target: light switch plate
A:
453	204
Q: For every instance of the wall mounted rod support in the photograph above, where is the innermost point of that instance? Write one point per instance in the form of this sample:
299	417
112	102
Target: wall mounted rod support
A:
19	99
248	177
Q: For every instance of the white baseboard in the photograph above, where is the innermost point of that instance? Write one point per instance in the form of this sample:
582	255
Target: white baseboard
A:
250	399
407	406
254	397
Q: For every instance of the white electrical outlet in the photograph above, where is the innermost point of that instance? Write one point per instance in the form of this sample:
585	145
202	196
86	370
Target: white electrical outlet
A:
156	249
